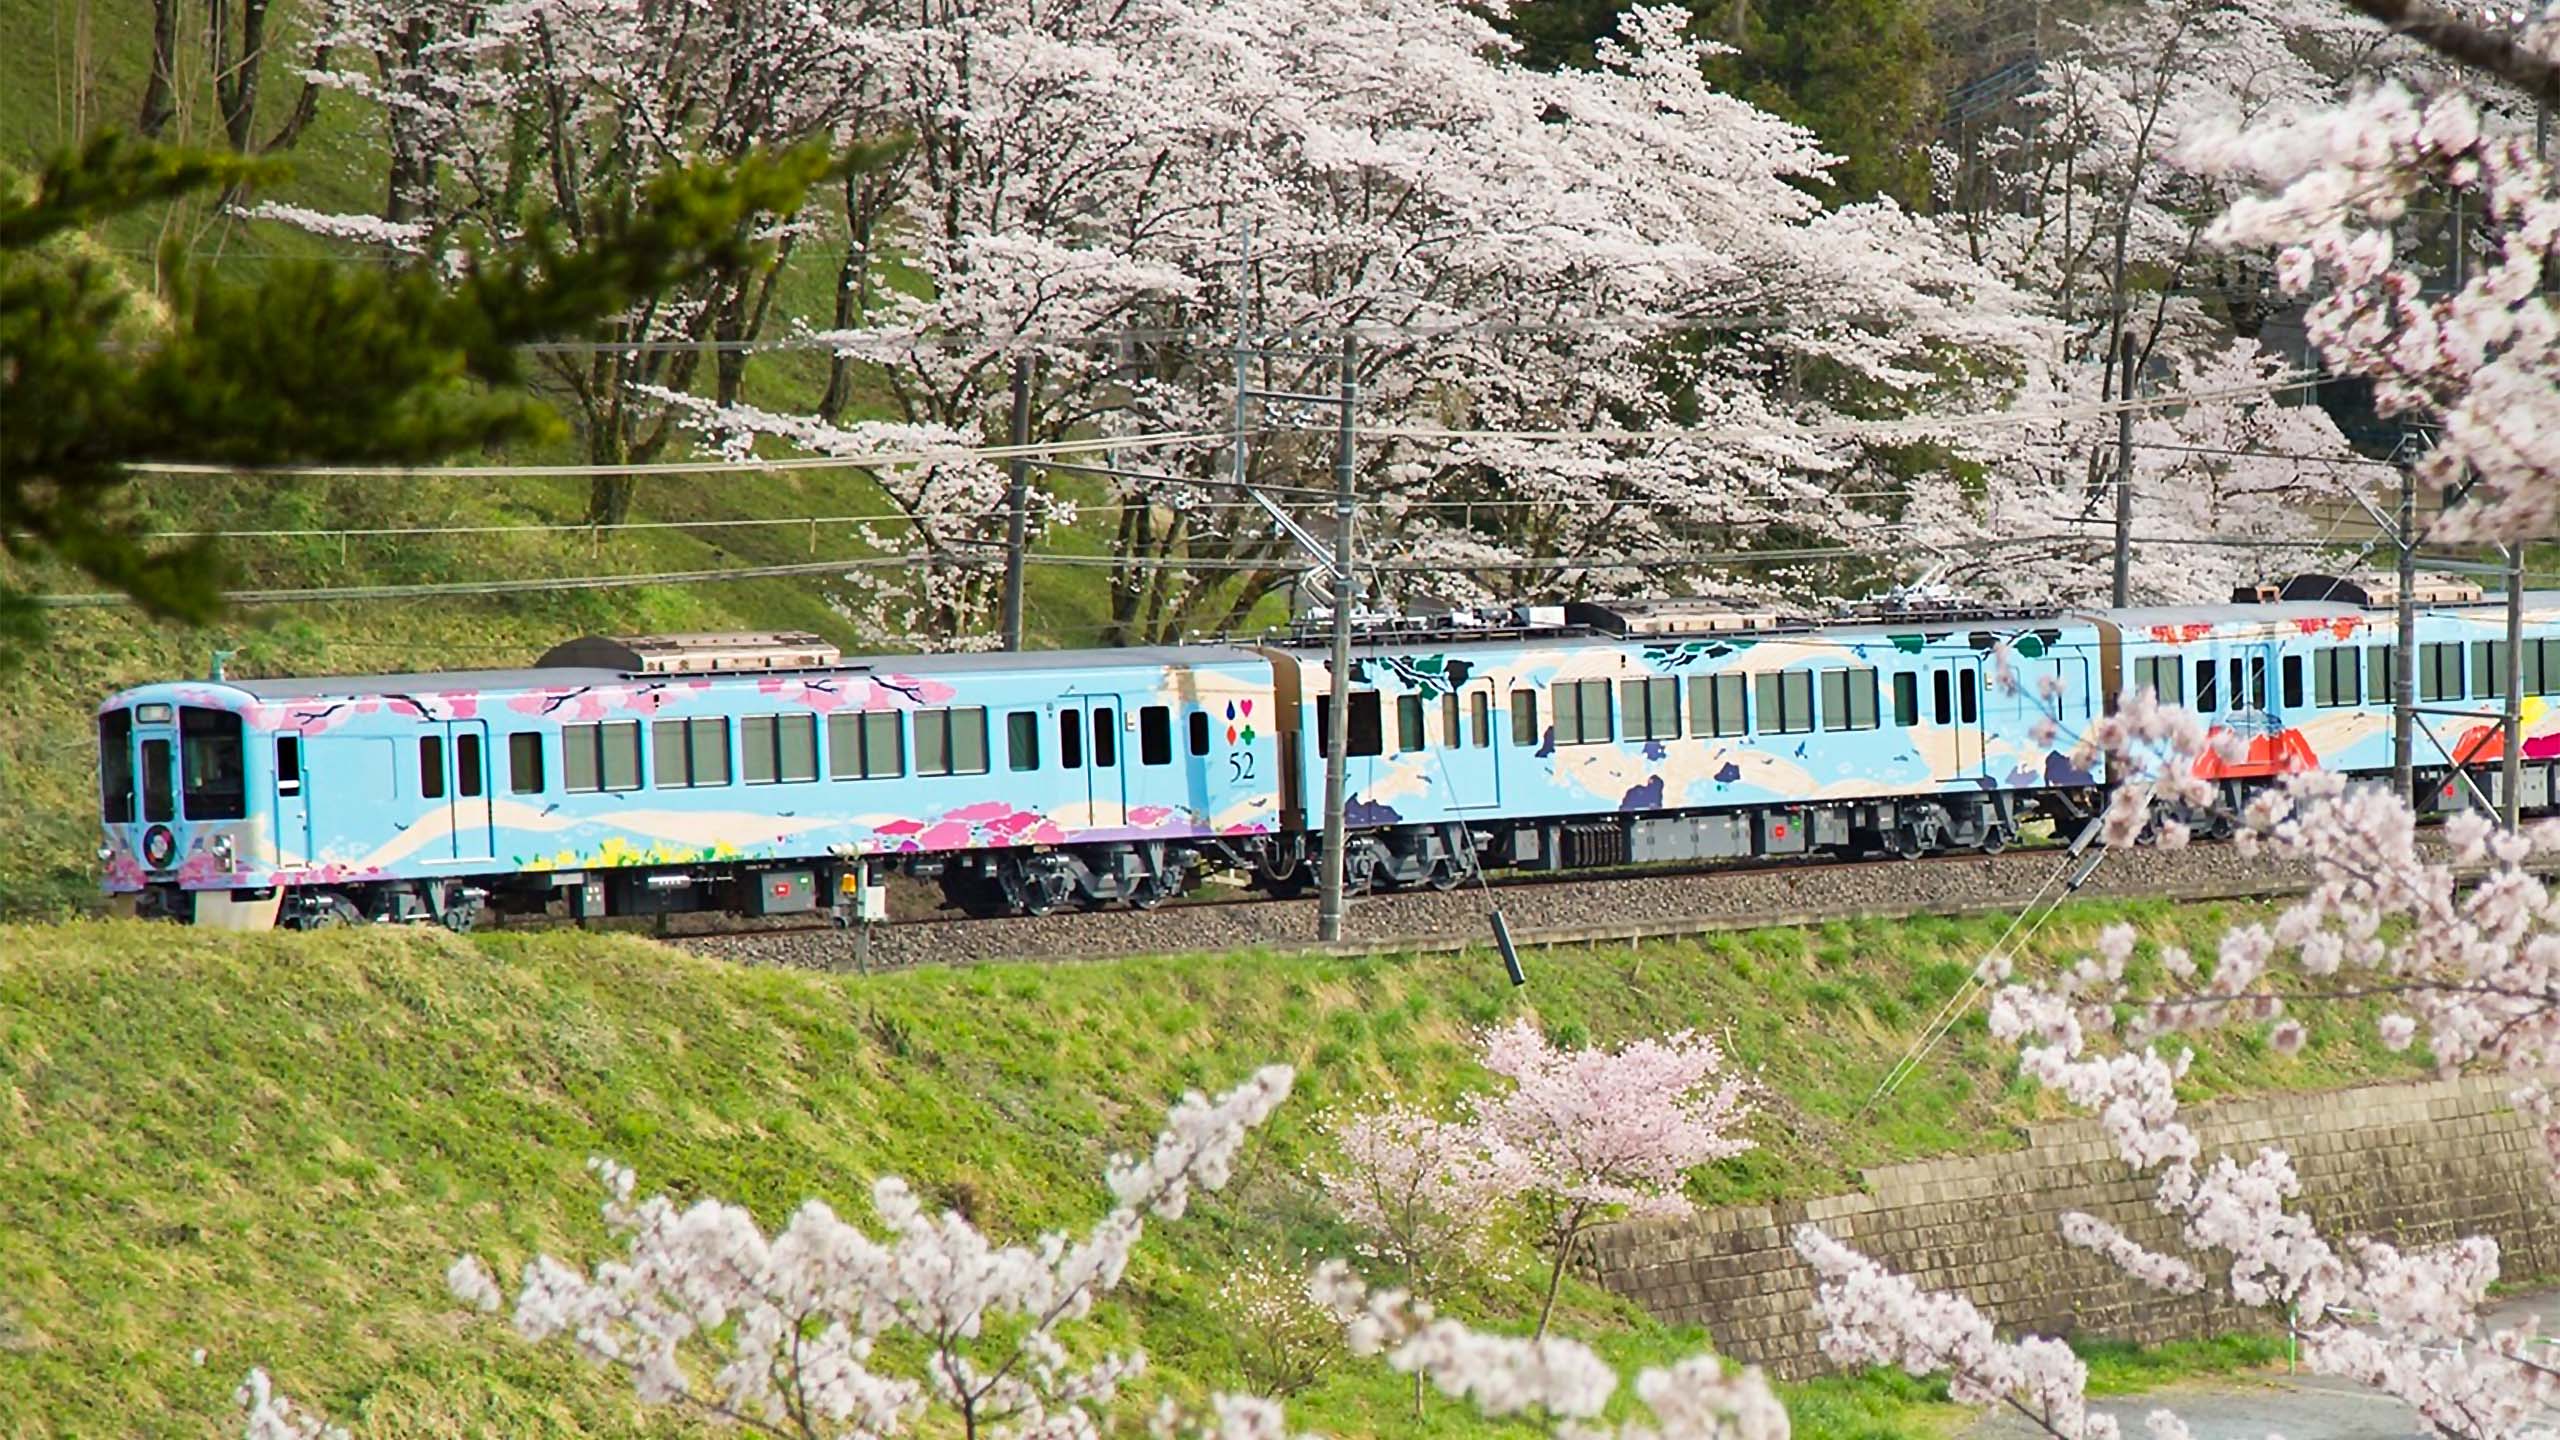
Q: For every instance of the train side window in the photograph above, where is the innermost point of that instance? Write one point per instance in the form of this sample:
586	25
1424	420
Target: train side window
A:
1848	699
469	773
288	765
1969	697
1716	705
2292	681
1022	739
2542	667
1368	728
954	741
115	771
2208	688
1942	708
1582	712
600	757
2160	675
1650	708
867	746
1906	698
524	763
1480	718
1408	722
1449	735
688	753
2440	671
1199	726
1524	717
779	749
1106	736
2381	671
1071	739
2336	676
211	745
2489	664
1155	735
431	767
1786	702
619	745
2257	682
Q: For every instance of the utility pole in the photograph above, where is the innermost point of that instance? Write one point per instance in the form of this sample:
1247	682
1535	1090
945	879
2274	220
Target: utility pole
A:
1017	499
2511	748
2404	650
1336	822
2122	590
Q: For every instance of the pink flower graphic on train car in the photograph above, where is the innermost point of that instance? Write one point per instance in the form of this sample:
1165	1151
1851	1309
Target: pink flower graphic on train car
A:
329	874
1008	824
949	835
904	692
1150	816
898	827
202	869
1048	833
984	812
124	872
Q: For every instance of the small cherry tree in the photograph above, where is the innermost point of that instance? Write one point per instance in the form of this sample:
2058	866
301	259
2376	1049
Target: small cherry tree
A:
1604	1134
1426	1193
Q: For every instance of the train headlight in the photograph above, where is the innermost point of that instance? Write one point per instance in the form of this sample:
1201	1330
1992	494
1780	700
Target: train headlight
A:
106	854
221	848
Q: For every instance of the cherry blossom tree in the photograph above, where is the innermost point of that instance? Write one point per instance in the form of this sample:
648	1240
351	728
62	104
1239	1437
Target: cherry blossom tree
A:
1601	1134
1427	1193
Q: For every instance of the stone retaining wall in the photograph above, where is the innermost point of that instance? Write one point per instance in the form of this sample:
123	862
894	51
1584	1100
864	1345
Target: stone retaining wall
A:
2412	1163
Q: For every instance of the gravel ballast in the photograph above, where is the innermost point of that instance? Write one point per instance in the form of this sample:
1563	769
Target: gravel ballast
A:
1535	909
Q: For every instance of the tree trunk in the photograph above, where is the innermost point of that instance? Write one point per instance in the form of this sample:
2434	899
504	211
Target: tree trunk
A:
1555	1277
235	72
159	94
305	107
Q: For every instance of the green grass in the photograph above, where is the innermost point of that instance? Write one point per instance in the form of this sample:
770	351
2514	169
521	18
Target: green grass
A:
268	1147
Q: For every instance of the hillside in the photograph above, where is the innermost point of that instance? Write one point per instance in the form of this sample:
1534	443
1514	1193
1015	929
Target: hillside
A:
268	1147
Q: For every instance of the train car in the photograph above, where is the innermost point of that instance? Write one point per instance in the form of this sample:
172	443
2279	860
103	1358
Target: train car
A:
761	774
1630	733
2302	679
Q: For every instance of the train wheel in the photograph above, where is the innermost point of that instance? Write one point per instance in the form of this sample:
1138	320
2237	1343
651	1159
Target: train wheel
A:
1151	891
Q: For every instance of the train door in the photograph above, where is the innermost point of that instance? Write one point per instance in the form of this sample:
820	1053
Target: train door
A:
155	751
293	804
1096	722
1955	702
473	827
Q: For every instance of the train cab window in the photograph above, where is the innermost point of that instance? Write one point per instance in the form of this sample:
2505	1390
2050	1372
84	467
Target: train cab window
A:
2292	681
1582	712
288	765
1408	722
952	742
159	798
685	754
868	746
115	766
1848	699
2489	668
1717	706
431	767
469	773
1524	717
2208	688
1480	718
524	763
1969	696
1106	736
600	757
1071	739
1786	702
1368	728
1199	727
1906	698
2440	671
1942	690
217	787
1650	708
1155	735
1022	739
2336	676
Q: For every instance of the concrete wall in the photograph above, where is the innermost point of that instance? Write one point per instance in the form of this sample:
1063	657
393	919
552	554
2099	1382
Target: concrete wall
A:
2411	1163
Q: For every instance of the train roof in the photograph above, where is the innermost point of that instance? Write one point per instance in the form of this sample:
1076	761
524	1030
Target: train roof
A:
1147	657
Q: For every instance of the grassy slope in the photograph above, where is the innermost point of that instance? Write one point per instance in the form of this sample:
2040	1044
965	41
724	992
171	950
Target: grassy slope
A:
268	1147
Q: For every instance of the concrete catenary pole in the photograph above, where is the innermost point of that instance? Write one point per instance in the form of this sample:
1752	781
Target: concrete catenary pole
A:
1338	703
2121	592
1017	500
2404	652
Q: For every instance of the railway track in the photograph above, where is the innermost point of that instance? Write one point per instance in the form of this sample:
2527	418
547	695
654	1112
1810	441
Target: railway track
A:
1541	909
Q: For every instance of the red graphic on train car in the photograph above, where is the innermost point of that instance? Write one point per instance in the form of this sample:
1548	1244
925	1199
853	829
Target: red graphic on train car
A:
2489	742
2186	634
2344	627
2284	753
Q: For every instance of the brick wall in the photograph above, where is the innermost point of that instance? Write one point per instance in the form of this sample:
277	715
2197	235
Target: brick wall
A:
2410	1163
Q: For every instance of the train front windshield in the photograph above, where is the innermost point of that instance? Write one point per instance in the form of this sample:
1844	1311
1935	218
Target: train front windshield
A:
115	766
217	781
